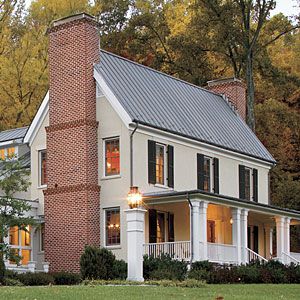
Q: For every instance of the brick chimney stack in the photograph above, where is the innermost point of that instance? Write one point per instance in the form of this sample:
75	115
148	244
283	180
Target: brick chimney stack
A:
234	89
72	198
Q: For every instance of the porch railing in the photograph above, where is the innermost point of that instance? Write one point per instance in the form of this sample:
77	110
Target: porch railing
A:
222	253
177	250
255	256
295	256
289	259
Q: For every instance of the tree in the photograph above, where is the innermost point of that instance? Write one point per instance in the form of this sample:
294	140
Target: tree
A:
235	27
13	180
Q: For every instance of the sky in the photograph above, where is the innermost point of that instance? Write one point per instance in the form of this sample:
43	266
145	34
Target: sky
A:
287	7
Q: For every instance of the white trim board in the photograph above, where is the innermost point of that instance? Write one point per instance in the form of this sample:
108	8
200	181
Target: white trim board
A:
37	121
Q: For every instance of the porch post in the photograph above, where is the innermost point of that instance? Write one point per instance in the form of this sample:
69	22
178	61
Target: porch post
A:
280	237
244	235
195	231
268	240
135	218
203	230
287	238
236	232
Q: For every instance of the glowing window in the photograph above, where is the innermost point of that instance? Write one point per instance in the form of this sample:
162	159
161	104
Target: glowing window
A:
112	157
113	233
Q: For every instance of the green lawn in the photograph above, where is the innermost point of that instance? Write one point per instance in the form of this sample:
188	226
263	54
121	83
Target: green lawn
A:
238	291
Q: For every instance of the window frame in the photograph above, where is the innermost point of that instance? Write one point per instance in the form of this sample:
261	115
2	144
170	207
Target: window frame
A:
16	152
112	246
105	140
211	173
19	247
250	170
165	165
40	185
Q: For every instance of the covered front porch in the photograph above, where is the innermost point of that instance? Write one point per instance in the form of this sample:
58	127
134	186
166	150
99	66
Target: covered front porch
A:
202	226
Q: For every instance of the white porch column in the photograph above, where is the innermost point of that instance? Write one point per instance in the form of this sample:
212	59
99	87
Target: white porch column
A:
135	218
236	232
287	238
203	230
244	235
195	230
271	241
280	237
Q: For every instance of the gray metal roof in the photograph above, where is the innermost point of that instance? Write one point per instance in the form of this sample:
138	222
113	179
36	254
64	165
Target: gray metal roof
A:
158	100
13	134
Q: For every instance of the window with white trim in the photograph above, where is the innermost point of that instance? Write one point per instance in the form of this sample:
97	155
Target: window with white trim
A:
112	156
43	168
207	175
112	227
9	153
160	164
20	243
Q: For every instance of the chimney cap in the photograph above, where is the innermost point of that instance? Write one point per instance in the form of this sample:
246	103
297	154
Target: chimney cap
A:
223	80
72	18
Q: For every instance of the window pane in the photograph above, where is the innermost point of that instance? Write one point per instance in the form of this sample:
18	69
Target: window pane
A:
112	227
11	152
25	256
25	237
247	184
112	157
160	164
207	174
42	237
43	167
160	228
14	236
2	154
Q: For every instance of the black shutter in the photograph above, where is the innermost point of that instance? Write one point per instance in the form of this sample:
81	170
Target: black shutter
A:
242	182
170	166
216	175
255	239
255	185
152	225
200	171
171	235
151	162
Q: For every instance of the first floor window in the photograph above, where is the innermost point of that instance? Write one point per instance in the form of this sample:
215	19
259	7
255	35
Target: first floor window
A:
113	234
20	243
112	157
42	237
8	153
43	167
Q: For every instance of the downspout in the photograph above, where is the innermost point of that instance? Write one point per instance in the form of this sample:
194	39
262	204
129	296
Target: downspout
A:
131	153
192	227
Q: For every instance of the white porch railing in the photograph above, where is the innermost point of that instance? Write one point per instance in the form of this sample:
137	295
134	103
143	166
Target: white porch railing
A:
177	250
295	256
255	256
221	253
287	259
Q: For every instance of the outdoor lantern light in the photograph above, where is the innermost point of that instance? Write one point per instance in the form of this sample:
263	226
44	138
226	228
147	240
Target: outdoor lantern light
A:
134	197
231	221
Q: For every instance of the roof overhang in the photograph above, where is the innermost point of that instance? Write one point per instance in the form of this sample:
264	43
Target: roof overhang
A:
37	121
167	197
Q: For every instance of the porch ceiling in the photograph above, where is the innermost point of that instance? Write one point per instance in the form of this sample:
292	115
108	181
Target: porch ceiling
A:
265	210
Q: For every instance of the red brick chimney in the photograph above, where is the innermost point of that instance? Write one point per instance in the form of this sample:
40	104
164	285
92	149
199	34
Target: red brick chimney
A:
72	197
234	89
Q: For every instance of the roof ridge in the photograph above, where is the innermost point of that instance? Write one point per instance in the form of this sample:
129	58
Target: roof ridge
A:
160	72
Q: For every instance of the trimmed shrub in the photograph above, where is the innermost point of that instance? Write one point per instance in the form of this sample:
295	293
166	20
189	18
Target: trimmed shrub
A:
102	264
12	282
164	267
65	278
119	269
249	274
33	279
200	270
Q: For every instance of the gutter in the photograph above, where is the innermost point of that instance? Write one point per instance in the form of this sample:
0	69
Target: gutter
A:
131	153
192	226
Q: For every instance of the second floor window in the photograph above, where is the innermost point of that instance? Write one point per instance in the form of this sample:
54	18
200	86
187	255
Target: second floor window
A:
160	164
248	183
43	167
207	173
112	157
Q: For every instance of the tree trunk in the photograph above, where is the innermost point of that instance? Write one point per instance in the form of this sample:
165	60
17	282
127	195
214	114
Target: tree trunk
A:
250	91
2	269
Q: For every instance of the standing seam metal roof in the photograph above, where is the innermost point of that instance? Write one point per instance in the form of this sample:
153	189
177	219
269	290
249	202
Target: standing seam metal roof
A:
13	134
158	100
